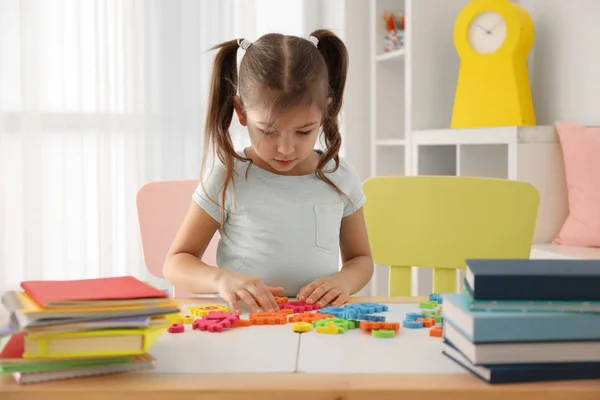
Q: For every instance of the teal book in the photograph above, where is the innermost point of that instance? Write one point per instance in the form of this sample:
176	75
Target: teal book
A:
572	306
483	326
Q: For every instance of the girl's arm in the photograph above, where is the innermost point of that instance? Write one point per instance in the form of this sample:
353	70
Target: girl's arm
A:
183	267
357	263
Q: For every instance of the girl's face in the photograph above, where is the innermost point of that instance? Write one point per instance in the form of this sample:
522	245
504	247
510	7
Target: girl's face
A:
286	145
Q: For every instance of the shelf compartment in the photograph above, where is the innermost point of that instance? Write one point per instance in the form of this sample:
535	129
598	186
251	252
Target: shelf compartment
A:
483	160
392	55
381	6
390	161
436	160
389	104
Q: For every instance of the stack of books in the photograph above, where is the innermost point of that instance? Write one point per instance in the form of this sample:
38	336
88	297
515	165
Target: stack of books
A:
75	328
526	320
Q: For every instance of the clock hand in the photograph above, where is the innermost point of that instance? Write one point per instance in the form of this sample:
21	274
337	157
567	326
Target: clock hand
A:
486	31
496	24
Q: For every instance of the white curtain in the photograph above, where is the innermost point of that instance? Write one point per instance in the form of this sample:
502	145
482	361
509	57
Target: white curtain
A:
98	97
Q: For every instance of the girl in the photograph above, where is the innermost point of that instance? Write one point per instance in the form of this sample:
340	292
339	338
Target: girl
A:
283	209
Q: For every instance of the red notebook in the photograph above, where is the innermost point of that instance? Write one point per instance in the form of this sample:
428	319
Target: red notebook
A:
13	349
91	292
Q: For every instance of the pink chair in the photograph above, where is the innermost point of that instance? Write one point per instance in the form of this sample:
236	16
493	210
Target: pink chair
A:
161	207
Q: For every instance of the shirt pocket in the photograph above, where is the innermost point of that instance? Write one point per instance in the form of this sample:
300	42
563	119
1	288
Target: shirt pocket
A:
328	219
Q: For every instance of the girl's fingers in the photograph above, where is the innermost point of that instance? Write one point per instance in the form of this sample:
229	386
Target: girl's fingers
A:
261	295
318	293
340	300
248	299
328	297
231	299
307	290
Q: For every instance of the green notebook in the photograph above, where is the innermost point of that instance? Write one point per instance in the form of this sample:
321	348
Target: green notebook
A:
53	365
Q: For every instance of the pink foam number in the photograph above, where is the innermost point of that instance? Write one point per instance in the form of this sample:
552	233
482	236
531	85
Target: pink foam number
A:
176	328
298	306
215	321
221	315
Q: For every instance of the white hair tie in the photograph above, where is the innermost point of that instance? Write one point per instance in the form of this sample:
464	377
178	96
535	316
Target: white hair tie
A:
244	43
314	40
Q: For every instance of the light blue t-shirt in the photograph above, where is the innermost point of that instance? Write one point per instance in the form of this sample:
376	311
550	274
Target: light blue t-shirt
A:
284	230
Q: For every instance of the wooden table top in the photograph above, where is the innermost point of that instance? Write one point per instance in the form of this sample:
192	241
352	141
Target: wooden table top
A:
294	386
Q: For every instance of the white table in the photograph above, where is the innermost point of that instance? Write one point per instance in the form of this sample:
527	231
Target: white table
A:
273	362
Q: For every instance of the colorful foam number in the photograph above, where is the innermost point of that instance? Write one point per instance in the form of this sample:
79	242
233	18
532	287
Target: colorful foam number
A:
277	318
241	323
187	319
436	297
309	317
427	322
428	304
343	325
412	324
329	329
370	326
383	333
216	321
176	328
202	310
298	306
355	311
413	316
375	318
301	327
436	331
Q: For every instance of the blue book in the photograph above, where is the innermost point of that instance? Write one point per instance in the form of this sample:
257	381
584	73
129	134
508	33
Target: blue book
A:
481	326
521	373
533	279
519	352
574	306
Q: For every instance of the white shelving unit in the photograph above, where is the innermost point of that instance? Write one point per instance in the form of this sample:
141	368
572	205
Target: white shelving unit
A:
390	87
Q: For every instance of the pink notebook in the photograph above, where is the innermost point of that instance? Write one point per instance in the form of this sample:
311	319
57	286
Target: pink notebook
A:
64	293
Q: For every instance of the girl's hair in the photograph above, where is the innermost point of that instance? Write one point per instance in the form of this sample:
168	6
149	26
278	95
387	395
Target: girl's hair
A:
284	71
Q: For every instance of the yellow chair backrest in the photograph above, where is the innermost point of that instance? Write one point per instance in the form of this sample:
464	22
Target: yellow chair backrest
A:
439	221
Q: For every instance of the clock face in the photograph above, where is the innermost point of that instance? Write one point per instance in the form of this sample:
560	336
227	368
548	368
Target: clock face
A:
487	32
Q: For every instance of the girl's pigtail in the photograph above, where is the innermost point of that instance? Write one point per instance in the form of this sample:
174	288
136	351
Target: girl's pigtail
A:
219	115
335	54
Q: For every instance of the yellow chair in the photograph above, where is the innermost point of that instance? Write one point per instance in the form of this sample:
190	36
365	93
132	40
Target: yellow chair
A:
439	221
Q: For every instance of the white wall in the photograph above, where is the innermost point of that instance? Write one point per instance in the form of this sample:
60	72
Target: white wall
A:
566	60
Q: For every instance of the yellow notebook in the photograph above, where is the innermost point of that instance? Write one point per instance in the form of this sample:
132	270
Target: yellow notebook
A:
30	314
102	343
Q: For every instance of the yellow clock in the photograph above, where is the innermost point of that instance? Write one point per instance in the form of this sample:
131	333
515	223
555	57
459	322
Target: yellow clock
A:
493	39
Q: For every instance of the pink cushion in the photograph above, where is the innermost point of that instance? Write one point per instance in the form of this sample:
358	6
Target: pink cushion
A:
581	154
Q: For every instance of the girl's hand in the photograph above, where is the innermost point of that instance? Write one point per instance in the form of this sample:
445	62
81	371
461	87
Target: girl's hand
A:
233	287
323	291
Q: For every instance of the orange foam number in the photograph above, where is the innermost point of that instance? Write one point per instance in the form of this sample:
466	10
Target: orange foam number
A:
427	322
242	322
309	317
276	318
436	331
369	326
